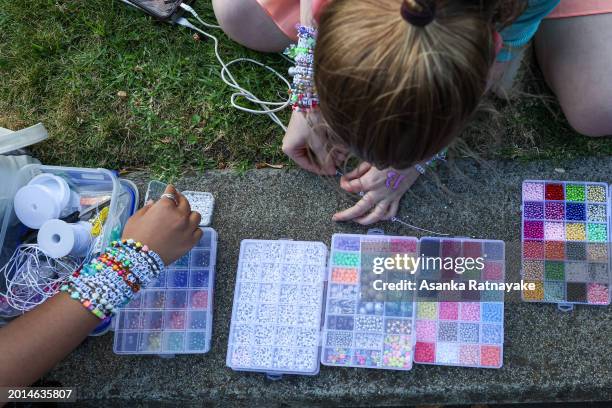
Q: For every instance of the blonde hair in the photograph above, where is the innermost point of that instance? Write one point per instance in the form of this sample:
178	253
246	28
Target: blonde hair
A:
397	93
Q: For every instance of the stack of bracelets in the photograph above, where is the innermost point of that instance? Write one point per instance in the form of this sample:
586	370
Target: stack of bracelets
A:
303	93
111	280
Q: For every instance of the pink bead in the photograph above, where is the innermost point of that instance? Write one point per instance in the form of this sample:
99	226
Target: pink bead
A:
597	294
533	191
470	311
449	310
426	330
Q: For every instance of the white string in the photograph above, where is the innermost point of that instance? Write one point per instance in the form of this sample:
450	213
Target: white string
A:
188	8
395	219
399	221
267	107
31	277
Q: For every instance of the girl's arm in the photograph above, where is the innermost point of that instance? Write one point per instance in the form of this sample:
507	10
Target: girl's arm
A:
35	342
306	13
305	140
32	344
515	39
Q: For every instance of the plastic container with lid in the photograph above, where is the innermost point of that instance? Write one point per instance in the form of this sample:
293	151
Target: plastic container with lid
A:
460	325
91	186
174	314
565	239
276	316
282	322
364	327
201	202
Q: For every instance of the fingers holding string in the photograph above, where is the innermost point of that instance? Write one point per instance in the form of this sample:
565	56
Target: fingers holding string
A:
352	181
393	210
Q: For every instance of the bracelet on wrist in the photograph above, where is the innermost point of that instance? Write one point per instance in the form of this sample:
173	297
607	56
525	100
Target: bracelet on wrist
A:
303	95
111	280
431	163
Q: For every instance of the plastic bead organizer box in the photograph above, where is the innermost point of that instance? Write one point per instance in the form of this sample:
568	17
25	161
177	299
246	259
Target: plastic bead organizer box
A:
283	324
174	315
565	242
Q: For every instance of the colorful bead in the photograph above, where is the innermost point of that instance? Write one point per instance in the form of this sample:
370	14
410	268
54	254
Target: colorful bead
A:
302	94
533	191
574	192
596	193
597	232
112	278
534	210
554	192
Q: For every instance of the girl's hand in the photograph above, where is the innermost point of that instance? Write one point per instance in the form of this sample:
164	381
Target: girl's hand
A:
383	190
307	146
167	228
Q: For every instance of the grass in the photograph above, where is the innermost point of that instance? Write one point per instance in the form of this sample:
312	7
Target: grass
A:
118	90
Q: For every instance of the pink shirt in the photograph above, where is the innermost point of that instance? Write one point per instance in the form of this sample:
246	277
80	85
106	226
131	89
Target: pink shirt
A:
574	8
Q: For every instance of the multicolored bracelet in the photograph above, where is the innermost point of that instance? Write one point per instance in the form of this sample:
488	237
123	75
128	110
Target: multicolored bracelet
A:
111	280
303	93
432	162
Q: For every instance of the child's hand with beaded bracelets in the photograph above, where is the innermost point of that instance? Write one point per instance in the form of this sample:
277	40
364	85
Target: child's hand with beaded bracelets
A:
168	228
382	191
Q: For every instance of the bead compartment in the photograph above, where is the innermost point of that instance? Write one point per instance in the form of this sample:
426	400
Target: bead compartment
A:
452	328
201	202
376	332
576	226
174	314
276	313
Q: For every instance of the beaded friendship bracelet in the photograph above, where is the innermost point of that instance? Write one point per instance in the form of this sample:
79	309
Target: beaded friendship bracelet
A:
111	280
431	162
303	93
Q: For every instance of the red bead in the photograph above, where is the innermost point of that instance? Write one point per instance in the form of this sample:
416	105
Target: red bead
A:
554	192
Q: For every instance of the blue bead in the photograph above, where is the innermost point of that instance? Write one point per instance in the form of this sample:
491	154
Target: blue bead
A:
575	211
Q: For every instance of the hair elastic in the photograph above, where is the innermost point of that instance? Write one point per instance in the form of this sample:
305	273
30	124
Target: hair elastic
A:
418	13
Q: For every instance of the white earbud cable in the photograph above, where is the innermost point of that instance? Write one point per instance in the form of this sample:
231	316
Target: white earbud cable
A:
267	107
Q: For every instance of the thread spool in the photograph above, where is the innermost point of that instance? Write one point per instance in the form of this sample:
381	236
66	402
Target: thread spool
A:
44	198
57	238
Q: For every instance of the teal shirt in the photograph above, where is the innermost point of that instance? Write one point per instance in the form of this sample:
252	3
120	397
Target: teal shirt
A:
524	28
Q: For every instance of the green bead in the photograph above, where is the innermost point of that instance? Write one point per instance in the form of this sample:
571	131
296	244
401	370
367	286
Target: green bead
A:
574	192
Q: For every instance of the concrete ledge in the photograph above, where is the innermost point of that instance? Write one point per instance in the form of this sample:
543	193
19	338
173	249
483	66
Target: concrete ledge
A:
549	355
